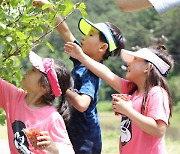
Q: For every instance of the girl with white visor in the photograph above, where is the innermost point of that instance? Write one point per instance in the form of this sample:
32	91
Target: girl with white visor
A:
146	115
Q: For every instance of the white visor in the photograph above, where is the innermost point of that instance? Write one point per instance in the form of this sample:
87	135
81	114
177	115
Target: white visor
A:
148	55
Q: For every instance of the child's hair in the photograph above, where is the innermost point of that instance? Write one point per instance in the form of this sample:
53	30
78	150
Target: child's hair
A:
155	78
119	39
66	82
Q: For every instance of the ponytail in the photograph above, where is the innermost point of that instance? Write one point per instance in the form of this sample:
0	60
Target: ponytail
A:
64	109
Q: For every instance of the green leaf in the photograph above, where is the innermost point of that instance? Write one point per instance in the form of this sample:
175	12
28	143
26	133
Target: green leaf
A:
46	6
3	25
50	46
82	8
2	117
61	9
14	3
69	7
21	42
21	35
23	54
18	76
27	19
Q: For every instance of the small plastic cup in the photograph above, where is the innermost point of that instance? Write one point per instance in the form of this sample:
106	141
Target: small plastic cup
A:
125	97
32	133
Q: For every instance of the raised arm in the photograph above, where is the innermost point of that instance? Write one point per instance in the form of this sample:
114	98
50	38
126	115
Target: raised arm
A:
133	5
161	6
63	28
97	68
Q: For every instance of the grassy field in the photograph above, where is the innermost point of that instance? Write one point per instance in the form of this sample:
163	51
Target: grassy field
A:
110	131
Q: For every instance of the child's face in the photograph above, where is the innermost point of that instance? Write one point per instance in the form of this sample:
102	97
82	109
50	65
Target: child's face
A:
136	70
31	79
90	43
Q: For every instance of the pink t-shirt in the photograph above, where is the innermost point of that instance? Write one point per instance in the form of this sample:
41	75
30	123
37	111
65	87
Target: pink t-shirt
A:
134	140
20	116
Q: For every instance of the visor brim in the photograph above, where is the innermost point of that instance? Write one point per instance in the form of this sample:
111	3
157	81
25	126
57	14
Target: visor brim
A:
85	26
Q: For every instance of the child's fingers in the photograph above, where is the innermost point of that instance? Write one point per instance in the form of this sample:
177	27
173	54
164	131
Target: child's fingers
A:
71	48
124	97
45	133
67	44
43	145
43	141
70	44
68	47
115	98
40	2
44	136
36	3
114	104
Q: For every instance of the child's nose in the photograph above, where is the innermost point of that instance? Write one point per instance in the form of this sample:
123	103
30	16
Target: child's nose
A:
27	72
84	37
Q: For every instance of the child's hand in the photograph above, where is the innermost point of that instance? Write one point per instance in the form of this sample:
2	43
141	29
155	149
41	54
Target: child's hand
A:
73	50
44	142
119	105
40	3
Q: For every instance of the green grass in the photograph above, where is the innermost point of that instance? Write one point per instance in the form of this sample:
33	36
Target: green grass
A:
104	106
110	132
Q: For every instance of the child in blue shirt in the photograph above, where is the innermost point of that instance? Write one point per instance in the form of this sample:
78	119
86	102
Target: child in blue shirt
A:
100	41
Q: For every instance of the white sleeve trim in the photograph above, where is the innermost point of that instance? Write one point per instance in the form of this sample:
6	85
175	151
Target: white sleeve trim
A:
163	6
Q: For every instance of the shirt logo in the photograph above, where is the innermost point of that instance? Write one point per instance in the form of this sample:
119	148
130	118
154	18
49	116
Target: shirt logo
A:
20	139
126	130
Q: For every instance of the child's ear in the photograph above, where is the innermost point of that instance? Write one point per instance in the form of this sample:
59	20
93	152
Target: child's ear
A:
149	68
104	47
44	89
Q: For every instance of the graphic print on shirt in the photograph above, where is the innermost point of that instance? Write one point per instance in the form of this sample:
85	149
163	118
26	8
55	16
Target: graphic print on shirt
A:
126	130
20	139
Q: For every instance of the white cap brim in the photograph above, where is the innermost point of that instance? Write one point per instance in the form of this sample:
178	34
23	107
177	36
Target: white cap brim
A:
85	26
36	61
148	55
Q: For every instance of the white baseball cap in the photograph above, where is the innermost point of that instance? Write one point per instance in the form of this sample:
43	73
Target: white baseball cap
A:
148	55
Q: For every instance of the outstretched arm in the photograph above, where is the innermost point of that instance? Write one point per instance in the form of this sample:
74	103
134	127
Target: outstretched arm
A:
133	5
161	6
64	31
63	28
97	68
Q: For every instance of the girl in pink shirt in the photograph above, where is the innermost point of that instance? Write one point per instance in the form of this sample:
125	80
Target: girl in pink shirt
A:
35	110
145	116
